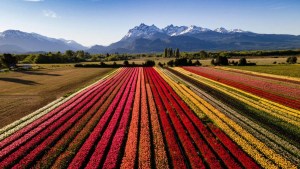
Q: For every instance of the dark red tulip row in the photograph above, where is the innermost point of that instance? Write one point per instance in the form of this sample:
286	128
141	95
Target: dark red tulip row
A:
187	143
134	119
246	161
89	119
82	154
55	128
268	90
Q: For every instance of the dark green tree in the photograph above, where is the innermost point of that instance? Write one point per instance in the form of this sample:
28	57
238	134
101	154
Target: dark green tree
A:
177	53
9	60
242	62
166	52
203	54
170	52
69	53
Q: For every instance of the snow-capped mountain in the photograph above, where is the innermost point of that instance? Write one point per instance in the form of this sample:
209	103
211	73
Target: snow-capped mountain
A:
221	30
142	31
31	42
194	29
150	32
172	30
145	38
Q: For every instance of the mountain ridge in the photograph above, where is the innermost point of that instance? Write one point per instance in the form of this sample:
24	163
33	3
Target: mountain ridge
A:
149	38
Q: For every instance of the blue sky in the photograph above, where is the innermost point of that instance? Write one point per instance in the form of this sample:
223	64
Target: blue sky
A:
103	22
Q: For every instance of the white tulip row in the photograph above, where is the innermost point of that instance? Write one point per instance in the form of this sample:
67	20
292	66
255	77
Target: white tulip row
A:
19	124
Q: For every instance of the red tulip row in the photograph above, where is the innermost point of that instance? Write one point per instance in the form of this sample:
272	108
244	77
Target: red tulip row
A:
92	115
132	120
187	143
264	76
89	144
113	155
177	157
203	138
99	153
248	87
64	158
245	160
262	83
49	141
189	118
54	129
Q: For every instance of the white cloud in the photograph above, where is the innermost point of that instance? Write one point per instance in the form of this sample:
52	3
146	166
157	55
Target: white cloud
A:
49	13
33	0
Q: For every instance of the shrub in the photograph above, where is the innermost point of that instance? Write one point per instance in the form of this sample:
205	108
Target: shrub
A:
291	60
242	62
149	63
125	63
220	60
197	63
170	63
160	64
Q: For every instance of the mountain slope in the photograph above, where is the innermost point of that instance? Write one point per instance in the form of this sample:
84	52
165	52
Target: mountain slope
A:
144	38
30	42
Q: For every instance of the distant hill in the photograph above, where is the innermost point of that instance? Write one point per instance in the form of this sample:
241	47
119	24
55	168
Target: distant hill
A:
15	41
149	38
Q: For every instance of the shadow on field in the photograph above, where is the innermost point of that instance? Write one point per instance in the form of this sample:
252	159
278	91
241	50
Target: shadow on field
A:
14	80
39	73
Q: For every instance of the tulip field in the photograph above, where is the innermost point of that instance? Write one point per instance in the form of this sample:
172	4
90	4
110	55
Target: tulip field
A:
150	117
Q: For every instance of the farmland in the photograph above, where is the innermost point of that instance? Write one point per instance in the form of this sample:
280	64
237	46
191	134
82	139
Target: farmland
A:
181	117
23	92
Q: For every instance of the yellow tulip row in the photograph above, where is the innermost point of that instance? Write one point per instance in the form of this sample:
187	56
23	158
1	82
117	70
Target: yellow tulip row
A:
271	139
279	106
190	102
287	114
265	156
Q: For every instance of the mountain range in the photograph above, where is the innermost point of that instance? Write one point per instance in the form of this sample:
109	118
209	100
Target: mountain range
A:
149	38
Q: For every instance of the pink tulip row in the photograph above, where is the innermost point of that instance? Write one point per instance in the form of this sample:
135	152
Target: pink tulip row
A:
56	150
103	146
65	157
50	134
134	119
113	156
34	138
87	147
253	86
